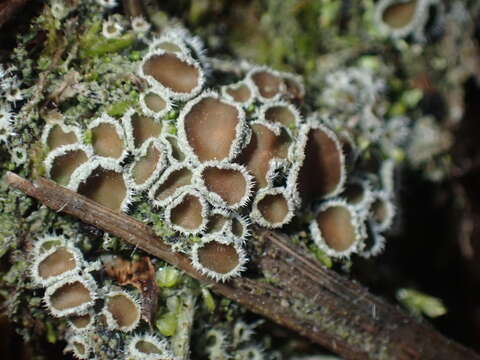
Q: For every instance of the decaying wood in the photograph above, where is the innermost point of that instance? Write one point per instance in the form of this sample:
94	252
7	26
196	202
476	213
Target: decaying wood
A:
8	8
292	290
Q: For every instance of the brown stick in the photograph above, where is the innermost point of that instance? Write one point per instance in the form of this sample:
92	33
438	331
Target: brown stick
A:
299	294
133	8
9	8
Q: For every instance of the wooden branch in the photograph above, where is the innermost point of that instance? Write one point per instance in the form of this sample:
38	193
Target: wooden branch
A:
299	294
9	8
133	8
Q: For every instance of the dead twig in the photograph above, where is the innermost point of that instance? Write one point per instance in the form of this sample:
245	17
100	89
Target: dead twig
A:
299	294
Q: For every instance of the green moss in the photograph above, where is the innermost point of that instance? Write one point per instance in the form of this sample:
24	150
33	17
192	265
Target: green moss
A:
16	274
172	115
321	256
50	26
118	109
419	303
135	55
88	137
208	300
411	97
51	334
106	46
167	324
168	277
91	33
44	62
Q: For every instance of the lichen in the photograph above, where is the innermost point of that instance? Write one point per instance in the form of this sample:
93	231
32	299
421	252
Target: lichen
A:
77	67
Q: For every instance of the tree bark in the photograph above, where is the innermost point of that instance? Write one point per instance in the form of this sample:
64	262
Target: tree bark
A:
298	293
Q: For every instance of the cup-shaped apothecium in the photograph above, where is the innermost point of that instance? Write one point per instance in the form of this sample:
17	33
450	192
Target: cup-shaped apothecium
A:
219	257
71	295
213	162
122	310
147	346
